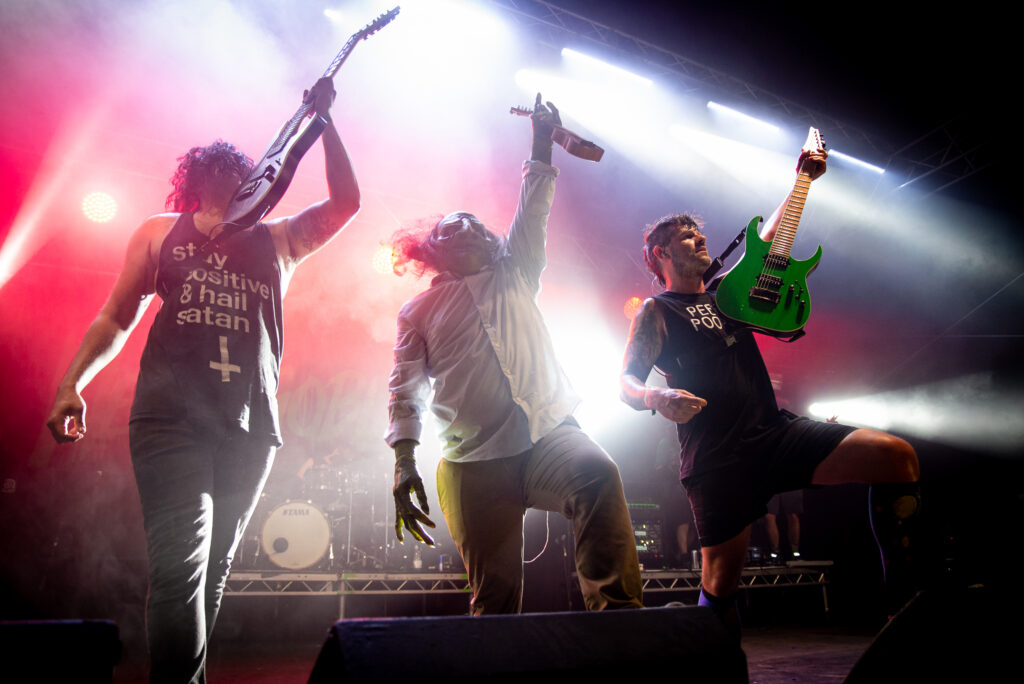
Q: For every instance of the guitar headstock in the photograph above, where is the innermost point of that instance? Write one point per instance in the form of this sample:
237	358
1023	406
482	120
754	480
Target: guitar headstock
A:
521	111
815	142
378	23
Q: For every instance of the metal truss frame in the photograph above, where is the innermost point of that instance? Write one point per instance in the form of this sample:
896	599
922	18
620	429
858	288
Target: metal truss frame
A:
278	582
343	585
815	574
806	574
945	152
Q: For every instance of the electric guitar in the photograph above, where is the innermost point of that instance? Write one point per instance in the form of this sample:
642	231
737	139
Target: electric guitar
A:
270	177
767	289
570	142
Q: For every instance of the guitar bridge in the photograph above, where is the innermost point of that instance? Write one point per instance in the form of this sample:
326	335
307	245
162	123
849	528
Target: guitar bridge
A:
764	294
767	289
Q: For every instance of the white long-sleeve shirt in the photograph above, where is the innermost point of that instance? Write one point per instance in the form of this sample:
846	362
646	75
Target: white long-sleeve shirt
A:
498	387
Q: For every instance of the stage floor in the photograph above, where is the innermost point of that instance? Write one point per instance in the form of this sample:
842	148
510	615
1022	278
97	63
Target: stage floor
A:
775	655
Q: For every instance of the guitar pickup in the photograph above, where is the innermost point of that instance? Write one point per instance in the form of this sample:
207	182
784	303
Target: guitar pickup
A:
765	294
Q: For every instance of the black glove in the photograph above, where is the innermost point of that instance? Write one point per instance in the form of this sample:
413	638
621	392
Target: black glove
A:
545	117
407	480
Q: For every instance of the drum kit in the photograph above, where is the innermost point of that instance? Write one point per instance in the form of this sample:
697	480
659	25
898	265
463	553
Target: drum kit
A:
330	521
326	521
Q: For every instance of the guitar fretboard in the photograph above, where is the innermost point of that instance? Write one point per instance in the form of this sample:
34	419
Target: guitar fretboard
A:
785	234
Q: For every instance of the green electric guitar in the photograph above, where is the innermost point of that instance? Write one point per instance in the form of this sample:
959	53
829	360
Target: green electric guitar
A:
767	289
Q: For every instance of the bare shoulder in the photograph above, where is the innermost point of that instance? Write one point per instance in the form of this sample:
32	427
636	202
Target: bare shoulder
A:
646	336
143	256
649	313
156	228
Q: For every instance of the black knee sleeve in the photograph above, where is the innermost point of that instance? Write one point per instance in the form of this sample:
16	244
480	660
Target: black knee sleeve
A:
895	510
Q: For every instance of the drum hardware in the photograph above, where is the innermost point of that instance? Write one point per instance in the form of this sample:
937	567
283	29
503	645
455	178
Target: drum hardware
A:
296	535
328	530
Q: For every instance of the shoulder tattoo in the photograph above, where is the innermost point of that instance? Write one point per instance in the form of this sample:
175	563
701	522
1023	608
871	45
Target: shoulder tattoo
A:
646	336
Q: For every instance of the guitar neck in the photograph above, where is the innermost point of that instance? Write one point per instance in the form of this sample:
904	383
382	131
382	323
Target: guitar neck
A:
785	234
287	131
342	55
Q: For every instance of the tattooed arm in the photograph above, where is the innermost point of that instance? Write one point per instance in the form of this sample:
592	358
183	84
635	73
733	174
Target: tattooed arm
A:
296	237
646	337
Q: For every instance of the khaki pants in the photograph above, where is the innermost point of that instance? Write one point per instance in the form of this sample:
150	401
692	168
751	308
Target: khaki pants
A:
565	472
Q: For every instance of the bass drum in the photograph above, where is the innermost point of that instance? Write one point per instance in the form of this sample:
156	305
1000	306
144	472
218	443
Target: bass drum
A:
296	535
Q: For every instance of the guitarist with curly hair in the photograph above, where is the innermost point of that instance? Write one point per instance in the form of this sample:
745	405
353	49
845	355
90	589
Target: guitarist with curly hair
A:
204	423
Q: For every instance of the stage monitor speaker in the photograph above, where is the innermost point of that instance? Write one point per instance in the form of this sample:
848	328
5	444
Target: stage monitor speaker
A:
689	642
966	635
59	651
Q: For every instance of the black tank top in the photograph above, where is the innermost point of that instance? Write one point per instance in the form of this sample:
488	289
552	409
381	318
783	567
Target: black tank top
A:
214	351
709	355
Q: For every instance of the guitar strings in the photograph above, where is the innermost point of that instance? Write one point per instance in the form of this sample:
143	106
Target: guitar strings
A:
787	226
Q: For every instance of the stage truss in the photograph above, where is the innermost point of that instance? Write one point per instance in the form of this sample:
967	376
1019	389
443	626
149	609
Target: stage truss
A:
341	585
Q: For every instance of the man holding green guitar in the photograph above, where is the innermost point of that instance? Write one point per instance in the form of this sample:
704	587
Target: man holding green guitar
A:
738	448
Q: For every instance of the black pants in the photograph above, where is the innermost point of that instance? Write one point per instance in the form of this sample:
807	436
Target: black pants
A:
198	491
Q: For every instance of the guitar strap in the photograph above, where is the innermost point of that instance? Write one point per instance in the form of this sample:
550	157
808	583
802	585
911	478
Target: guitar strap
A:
719	261
716	266
229	230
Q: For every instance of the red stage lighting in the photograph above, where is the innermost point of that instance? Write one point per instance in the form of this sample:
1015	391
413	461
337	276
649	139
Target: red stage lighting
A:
631	306
99	207
384	259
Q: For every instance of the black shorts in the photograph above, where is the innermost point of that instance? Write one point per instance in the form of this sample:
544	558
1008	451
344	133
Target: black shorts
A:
781	459
790	503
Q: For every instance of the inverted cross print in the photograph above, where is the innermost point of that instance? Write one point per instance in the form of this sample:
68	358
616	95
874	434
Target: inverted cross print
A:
225	368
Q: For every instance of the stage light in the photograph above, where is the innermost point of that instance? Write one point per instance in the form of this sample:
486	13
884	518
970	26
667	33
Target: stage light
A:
968	411
749	164
591	356
631	307
573	96
836	154
334	15
740	116
384	259
99	207
603	68
453	27
443	52
613	113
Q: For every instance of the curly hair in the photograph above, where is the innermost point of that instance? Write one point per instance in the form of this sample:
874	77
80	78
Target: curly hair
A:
411	248
659	234
197	166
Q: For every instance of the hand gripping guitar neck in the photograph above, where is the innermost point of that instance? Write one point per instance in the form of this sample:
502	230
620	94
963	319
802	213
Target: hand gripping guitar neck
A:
270	177
767	289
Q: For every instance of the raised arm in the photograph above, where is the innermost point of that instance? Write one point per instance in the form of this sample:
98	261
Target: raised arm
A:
811	162
527	238
296	237
106	335
646	337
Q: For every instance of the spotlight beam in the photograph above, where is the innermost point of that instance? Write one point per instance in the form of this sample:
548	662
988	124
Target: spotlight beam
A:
611	69
967	411
856	162
746	118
